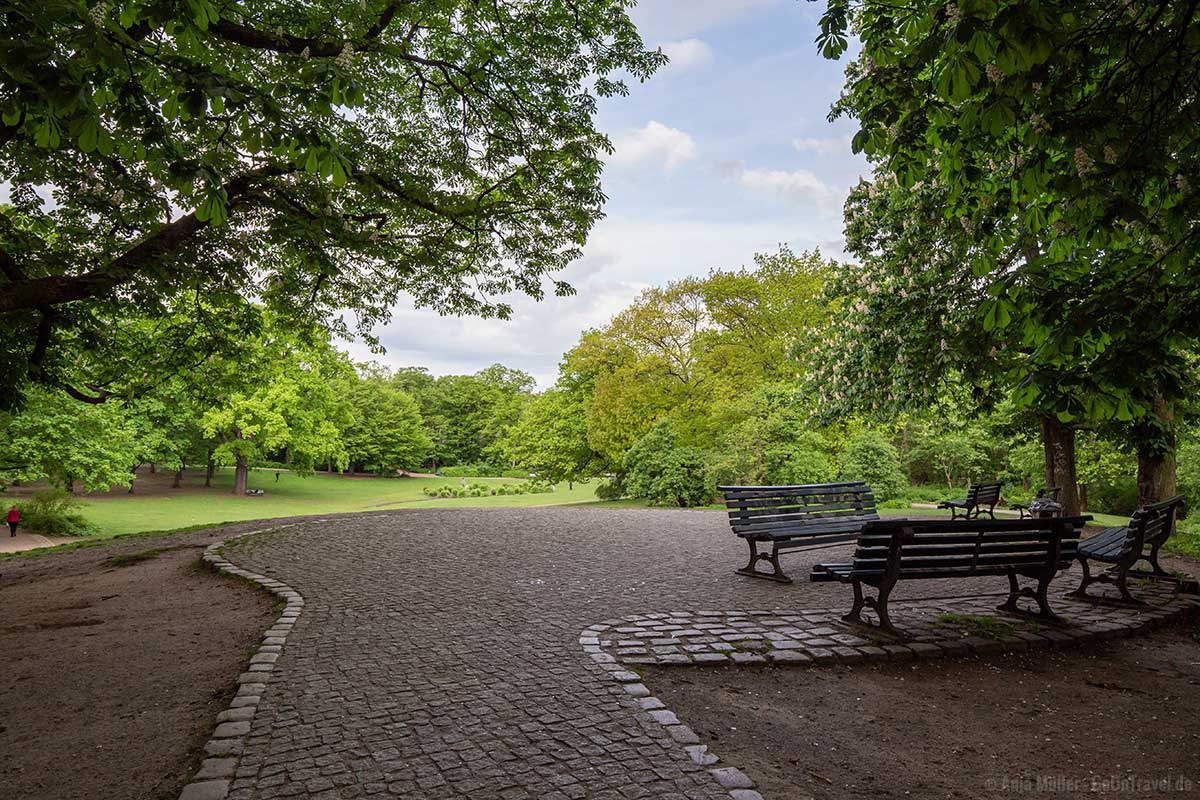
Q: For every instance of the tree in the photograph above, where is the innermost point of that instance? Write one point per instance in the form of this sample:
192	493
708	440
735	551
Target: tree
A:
286	403
318	158
387	432
685	350
664	472
66	442
870	457
165	426
1065	142
550	439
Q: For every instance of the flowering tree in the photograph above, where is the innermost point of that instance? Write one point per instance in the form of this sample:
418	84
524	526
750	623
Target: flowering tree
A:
1062	141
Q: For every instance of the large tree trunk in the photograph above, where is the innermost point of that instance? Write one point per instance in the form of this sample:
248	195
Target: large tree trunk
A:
208	474
178	482
1058	441
1156	454
240	474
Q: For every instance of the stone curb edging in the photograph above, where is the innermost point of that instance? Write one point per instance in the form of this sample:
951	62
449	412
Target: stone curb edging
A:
828	646
224	748
738	784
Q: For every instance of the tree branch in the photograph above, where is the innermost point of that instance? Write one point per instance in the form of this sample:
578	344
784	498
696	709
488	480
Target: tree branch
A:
57	289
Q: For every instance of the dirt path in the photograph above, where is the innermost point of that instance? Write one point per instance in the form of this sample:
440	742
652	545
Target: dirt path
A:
1096	720
112	671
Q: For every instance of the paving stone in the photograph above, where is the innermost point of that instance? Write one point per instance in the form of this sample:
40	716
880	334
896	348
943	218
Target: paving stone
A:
701	755
229	729
236	714
214	768
731	778
458	671
205	790
665	717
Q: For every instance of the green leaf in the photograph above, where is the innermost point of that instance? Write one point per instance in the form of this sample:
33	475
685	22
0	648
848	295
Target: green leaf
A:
88	134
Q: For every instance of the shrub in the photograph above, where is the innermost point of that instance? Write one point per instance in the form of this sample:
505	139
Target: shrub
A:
806	465
872	458
665	473
612	488
53	513
1113	497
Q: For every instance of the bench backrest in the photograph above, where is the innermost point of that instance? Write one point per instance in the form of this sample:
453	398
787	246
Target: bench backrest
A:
781	510
1153	524
984	494
933	548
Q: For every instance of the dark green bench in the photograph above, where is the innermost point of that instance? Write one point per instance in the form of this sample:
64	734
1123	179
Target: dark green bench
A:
789	517
1125	545
890	551
978	496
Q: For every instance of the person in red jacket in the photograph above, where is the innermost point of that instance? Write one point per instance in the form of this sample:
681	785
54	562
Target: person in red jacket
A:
14	516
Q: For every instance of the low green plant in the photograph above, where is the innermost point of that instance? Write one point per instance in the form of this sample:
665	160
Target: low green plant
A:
977	625
53	513
129	559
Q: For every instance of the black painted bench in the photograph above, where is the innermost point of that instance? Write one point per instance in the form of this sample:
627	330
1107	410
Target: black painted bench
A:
789	517
978	496
890	551
1125	545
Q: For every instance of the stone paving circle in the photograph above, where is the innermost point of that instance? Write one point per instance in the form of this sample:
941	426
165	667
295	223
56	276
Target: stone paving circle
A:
440	655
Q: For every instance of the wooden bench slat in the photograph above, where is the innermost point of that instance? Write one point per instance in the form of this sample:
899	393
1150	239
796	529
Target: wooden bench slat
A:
785	530
800	511
784	490
991	548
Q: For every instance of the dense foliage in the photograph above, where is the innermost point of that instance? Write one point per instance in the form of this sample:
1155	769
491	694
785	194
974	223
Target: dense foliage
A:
170	164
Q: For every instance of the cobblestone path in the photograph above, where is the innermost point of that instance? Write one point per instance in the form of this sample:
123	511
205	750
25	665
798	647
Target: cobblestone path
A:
438	655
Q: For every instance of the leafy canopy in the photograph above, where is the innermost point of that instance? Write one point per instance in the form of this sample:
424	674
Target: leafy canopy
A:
1062	140
316	157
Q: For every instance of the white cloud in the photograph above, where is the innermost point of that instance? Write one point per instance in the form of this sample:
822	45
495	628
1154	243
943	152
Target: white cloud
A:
654	144
624	255
799	186
830	146
686	55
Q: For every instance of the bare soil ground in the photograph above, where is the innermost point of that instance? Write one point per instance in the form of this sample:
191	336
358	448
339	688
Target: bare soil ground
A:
1109	718
114	662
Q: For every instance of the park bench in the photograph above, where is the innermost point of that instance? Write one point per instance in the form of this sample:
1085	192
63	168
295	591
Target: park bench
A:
1125	545
789	517
890	551
1046	496
978	496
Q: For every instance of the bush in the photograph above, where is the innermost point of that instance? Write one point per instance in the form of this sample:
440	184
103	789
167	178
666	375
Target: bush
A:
612	488
1118	497
53	513
483	490
1187	473
872	458
663	472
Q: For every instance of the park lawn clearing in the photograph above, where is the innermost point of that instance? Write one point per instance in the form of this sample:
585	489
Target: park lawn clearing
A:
154	506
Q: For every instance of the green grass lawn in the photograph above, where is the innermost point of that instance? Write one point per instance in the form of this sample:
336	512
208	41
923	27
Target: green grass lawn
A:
163	509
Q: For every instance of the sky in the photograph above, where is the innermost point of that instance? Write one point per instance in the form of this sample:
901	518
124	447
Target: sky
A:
725	152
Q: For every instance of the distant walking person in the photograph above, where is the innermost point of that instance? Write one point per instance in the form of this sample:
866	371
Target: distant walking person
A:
14	517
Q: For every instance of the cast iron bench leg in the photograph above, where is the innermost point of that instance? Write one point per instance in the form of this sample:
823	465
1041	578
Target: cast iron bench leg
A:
1015	591
772	558
1087	581
1153	559
878	603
